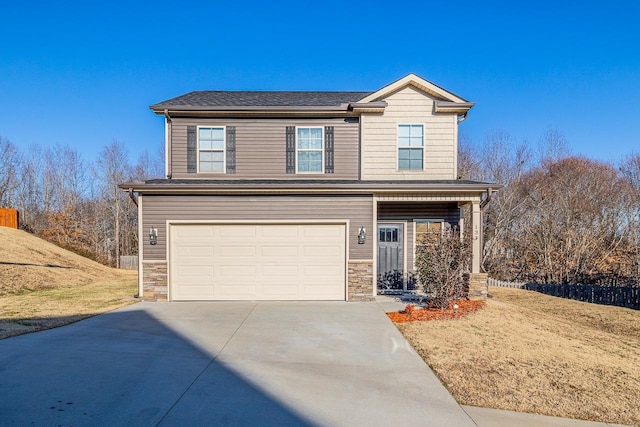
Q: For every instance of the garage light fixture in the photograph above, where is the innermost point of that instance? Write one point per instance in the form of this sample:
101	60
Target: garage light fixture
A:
153	236
362	236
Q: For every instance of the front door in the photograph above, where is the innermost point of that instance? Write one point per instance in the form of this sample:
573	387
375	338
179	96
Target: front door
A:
390	257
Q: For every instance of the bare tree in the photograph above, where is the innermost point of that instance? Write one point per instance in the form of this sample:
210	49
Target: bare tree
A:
9	166
112	169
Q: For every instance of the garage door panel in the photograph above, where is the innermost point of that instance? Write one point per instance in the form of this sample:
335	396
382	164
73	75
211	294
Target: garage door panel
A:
194	232
258	261
279	251
279	231
238	290
188	271
234	251
236	232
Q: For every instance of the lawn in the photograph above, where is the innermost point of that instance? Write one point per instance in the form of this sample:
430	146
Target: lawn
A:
535	353
49	308
43	286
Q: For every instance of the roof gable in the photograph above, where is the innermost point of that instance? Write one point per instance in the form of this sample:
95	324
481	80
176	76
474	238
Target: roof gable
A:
418	82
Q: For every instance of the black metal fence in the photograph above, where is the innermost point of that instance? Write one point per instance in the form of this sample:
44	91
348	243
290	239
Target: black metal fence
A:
621	296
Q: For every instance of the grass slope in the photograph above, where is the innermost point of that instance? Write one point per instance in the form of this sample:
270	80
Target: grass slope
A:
535	353
44	286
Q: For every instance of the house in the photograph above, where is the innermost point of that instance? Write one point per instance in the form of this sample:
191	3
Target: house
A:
302	195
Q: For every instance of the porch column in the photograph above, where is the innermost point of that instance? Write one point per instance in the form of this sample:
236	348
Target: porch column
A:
476	227
477	281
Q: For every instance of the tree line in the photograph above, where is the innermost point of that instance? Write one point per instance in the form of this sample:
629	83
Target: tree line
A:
559	218
74	202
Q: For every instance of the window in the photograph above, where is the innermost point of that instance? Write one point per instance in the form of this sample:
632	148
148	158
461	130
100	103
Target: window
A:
429	228
388	234
309	147
410	147
211	145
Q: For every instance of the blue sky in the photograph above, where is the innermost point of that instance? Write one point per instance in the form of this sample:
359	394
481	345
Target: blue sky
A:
84	75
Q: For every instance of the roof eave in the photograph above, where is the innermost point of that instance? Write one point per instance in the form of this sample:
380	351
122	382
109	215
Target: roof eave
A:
188	110
309	187
452	107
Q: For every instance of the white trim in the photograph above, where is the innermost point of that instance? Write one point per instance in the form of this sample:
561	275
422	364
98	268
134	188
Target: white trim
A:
413	80
455	147
424	145
345	222
375	246
296	147
166	147
224	148
140	249
404	245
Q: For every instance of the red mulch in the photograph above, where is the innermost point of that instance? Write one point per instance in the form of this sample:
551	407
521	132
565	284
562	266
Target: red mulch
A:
464	308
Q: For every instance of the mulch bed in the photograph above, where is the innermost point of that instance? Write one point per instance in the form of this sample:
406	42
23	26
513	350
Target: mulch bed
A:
412	314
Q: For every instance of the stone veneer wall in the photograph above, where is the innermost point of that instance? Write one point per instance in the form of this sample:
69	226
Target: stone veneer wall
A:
478	286
360	281
154	281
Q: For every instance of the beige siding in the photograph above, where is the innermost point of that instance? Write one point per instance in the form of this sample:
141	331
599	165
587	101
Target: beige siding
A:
379	138
157	210
260	147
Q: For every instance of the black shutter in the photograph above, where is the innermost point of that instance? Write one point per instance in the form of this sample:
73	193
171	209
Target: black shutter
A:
231	149
328	149
291	149
192	150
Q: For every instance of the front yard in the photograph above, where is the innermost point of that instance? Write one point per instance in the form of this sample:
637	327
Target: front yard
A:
530	352
31	311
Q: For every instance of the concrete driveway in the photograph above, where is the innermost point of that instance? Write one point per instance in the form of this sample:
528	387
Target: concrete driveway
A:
267	363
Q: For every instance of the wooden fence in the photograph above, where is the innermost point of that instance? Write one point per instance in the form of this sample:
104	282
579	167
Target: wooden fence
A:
8	218
503	284
621	296
129	262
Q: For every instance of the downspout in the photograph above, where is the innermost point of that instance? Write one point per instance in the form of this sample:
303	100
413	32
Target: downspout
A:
487	199
135	201
167	142
462	117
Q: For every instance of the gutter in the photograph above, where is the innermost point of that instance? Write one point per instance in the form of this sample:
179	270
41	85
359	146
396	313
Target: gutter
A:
135	201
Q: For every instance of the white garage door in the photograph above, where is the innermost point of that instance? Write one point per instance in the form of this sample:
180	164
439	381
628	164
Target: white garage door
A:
257	262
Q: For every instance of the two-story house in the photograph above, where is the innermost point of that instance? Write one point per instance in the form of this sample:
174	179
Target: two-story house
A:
301	195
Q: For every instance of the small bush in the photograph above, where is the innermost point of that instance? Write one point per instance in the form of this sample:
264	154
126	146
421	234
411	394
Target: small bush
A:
442	259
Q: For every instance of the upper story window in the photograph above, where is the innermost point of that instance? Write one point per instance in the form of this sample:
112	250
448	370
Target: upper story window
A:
410	147
211	145
310	149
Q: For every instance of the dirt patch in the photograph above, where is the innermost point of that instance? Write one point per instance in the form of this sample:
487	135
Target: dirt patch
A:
455	310
530	352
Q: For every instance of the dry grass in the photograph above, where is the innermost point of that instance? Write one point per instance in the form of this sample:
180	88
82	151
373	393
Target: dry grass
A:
43	286
28	263
530	352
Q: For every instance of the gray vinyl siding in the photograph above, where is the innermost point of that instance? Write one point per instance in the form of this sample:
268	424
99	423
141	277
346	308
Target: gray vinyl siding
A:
411	211
261	147
158	209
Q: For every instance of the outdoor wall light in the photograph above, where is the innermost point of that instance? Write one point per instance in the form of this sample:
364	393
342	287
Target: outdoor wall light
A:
362	236
153	236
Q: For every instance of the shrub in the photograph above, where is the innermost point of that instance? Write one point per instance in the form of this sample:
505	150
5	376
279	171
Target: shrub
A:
442	259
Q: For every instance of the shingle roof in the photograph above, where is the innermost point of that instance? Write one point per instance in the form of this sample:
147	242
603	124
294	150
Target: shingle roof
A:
214	98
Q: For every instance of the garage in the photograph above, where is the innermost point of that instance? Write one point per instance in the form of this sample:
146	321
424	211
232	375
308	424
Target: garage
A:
257	261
